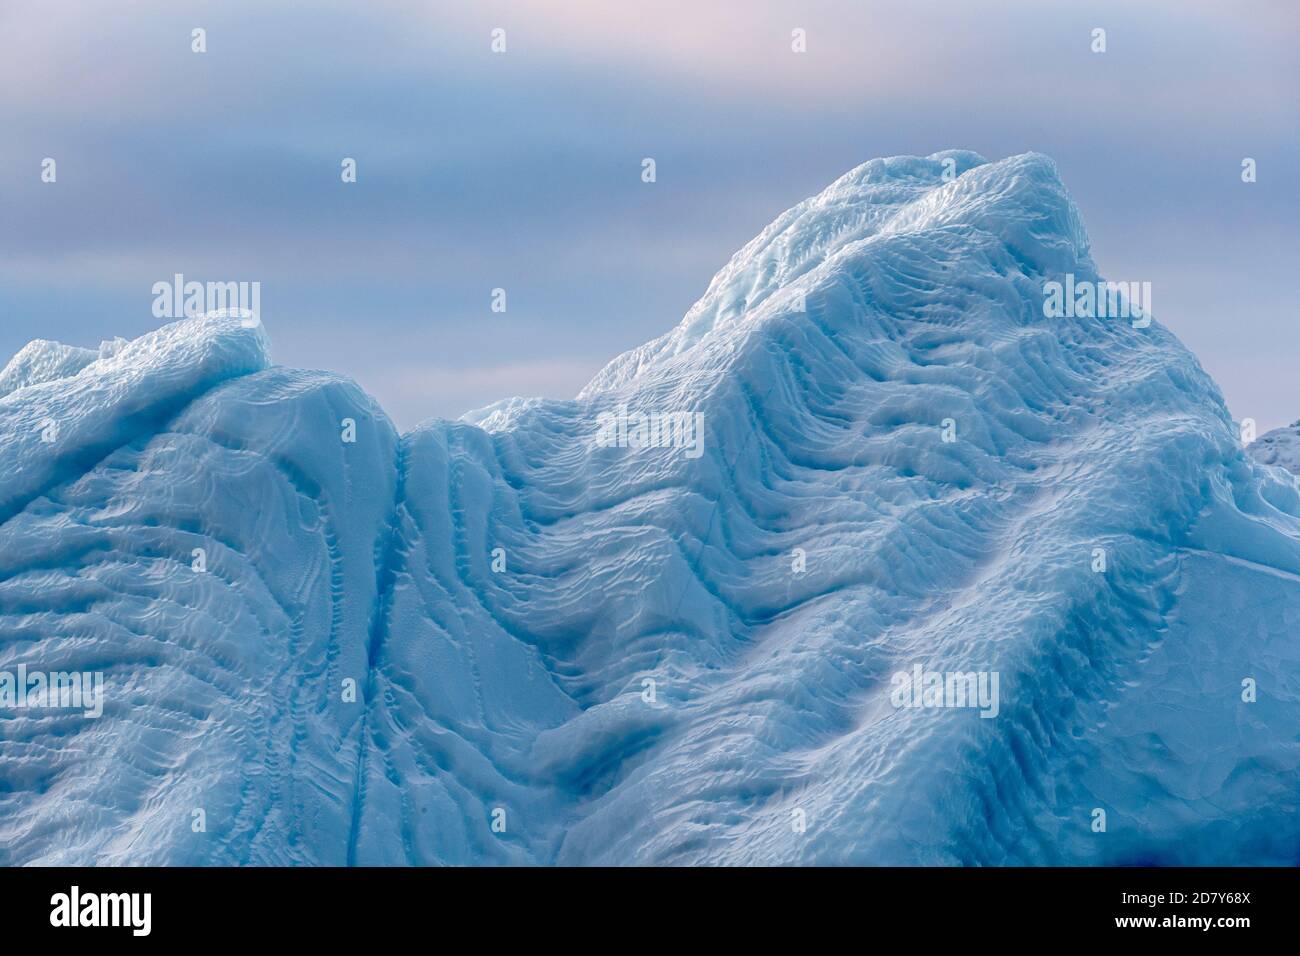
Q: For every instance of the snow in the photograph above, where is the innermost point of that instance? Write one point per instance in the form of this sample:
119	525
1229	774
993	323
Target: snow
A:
572	653
1280	447
42	361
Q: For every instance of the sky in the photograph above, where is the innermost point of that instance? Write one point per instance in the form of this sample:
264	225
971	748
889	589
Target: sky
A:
521	170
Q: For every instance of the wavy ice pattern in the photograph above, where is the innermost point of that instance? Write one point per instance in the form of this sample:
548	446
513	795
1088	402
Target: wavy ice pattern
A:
825	359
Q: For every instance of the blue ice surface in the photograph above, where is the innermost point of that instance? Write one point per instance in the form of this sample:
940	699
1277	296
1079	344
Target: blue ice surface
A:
567	652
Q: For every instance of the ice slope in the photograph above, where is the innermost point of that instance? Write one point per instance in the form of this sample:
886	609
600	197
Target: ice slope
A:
569	653
216	679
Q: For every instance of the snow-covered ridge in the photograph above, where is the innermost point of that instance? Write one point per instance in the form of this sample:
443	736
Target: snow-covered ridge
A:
1280	447
501	640
877	201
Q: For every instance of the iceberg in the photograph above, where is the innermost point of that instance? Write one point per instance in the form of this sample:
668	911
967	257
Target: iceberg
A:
867	561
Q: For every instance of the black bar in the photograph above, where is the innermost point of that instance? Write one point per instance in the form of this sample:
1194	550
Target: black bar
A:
336	906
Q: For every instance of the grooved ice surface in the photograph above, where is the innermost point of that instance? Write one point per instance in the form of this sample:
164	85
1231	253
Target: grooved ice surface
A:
516	693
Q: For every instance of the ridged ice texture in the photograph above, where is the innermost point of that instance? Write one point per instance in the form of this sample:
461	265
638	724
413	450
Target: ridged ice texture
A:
217	681
517	694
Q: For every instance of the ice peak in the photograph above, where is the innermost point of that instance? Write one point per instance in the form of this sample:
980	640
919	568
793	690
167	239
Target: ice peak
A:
1019	200
42	360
